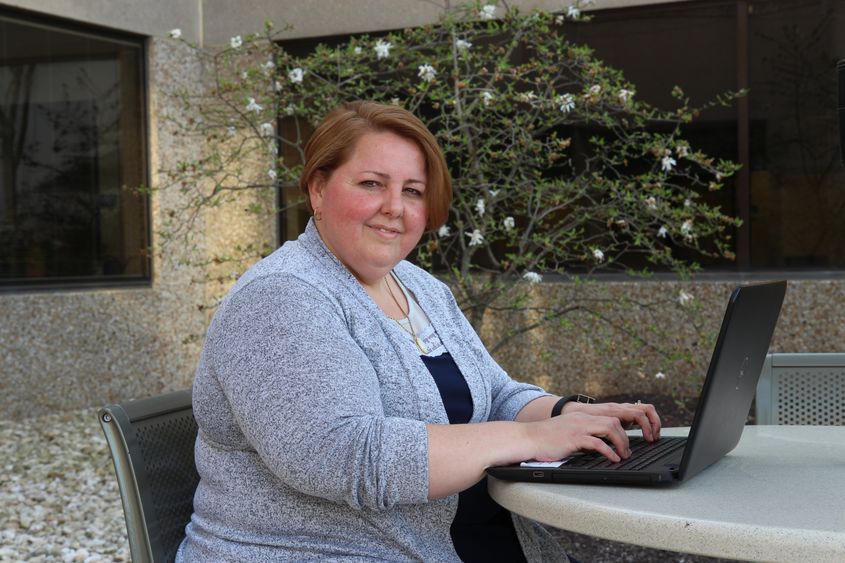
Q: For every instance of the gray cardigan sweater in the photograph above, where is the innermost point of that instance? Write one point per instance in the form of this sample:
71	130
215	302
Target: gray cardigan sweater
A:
312	408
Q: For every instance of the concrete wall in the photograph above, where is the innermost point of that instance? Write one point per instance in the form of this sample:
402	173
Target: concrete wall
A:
213	22
145	17
315	18
593	359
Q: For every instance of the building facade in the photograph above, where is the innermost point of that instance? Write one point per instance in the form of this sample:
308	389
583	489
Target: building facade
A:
88	315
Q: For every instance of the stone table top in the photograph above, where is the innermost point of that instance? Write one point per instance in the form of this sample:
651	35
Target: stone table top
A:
778	496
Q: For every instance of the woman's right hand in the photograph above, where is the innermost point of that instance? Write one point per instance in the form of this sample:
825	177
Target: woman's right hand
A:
459	453
561	436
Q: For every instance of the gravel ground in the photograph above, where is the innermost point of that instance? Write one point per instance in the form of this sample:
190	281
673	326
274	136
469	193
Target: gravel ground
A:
59	499
58	494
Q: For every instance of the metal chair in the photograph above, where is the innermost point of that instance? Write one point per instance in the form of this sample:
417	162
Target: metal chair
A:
152	445
804	389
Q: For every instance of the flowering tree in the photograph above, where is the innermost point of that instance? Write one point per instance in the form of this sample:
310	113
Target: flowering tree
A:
559	169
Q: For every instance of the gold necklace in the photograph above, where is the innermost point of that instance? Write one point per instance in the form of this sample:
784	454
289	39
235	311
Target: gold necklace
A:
412	332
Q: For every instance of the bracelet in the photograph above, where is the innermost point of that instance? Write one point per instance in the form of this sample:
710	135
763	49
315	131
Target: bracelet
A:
579	398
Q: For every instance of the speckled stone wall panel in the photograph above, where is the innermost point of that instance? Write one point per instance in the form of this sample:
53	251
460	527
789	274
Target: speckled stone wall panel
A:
68	349
71	349
591	357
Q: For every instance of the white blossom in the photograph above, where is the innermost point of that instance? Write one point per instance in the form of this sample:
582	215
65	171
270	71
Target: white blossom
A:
598	255
494	193
526	97
566	103
686	227
231	130
254	106
426	72
687	202
290	109
573	12
532	277
480	206
396	102
267	68
660	375
236	42
266	129
488	12
683	151
462	45
296	75
594	90
475	238
382	49
487	98
651	203
625	95
663	232
277	86
559	20
684	298
244	75
509	222
272	174
444	231
357	50
175	33
667	163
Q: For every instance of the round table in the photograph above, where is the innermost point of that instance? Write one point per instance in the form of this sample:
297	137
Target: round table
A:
778	496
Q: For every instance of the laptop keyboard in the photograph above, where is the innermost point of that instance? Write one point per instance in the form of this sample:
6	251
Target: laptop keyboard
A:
642	454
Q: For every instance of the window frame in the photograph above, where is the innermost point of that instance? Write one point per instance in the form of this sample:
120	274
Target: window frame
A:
141	42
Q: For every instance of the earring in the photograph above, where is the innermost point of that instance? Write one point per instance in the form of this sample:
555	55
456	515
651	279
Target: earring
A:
318	214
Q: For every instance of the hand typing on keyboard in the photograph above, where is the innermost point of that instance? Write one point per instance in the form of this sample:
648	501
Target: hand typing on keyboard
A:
629	414
596	427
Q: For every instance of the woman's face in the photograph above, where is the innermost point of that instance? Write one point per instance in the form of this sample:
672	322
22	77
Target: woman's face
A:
372	206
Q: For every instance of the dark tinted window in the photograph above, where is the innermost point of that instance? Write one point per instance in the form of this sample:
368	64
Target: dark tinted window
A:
791	191
797	183
71	148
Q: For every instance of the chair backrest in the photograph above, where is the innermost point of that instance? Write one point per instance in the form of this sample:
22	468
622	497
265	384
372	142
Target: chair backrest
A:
152	446
802	389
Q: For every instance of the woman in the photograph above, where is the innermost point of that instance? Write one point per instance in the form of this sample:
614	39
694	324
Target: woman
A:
347	409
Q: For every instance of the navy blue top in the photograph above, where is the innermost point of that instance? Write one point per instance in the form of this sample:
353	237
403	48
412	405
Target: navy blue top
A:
482	529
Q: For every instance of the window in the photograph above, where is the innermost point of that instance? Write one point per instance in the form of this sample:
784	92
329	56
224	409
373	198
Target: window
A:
789	193
797	184
71	150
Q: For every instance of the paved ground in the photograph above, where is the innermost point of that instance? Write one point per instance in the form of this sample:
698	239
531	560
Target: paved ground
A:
59	499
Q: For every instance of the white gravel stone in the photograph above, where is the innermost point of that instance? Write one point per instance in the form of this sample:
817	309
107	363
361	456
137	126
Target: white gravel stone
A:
58	494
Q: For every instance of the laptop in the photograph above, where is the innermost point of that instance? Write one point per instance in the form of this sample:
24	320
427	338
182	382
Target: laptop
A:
720	416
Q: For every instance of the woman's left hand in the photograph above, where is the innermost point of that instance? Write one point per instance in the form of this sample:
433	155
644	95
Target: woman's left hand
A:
643	415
